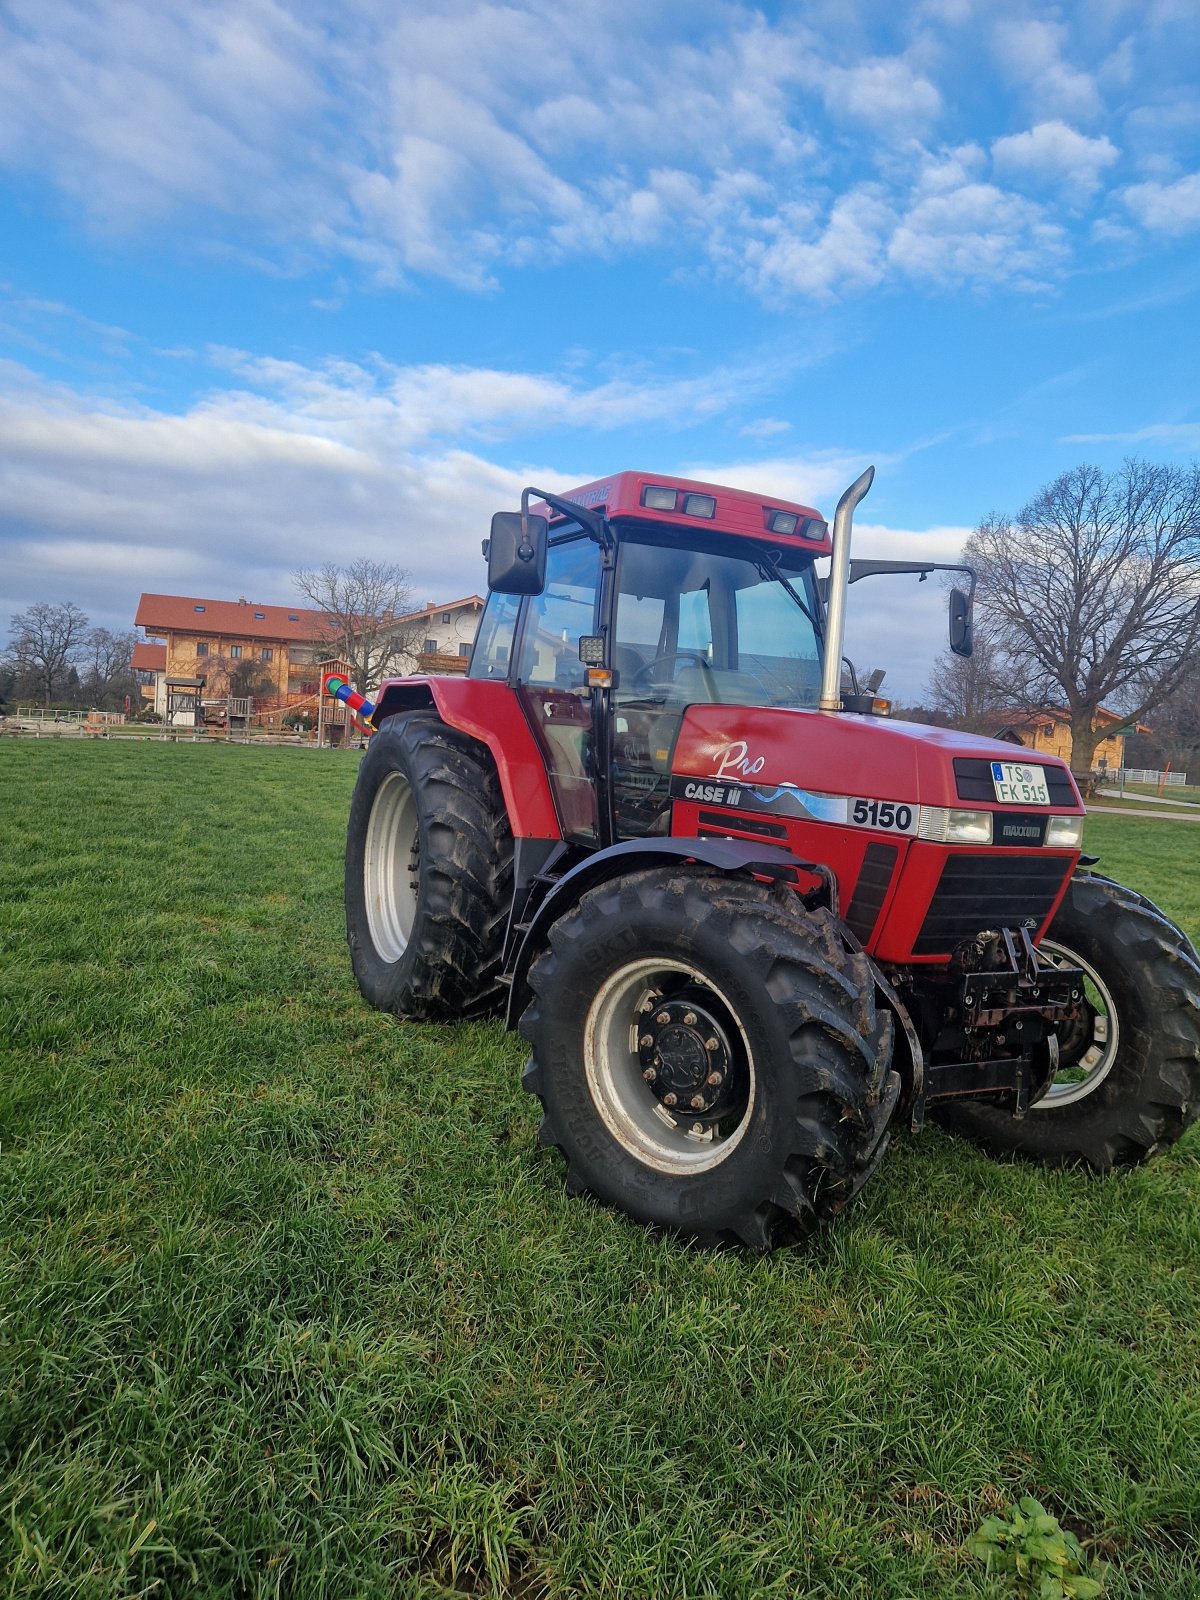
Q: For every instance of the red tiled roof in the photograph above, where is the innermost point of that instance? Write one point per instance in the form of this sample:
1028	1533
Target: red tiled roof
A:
239	619
1033	721
472	600
1052	714
150	657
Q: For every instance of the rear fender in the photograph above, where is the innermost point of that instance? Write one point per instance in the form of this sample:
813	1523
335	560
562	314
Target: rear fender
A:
634	855
489	713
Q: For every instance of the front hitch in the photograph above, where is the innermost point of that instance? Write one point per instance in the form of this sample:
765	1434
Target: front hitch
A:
1004	1021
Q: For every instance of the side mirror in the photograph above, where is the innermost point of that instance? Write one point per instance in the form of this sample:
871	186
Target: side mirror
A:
516	554
962	630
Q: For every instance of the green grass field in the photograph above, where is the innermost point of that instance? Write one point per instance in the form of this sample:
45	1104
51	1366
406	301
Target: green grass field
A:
291	1303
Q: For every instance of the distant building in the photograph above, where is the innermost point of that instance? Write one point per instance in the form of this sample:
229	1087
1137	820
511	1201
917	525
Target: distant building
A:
1049	733
203	651
223	647
445	633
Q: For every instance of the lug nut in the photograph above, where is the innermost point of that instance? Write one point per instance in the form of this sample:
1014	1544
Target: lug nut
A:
697	1127
646	1005
646	1041
712	1044
689	1019
669	1099
649	1074
697	1102
663	1016
714	1077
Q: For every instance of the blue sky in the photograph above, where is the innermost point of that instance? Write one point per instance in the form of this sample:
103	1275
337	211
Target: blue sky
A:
282	283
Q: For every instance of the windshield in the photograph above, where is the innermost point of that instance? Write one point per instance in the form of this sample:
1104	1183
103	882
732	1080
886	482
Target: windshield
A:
722	622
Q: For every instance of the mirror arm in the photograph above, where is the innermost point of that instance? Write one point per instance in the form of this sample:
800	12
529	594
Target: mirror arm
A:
593	521
860	569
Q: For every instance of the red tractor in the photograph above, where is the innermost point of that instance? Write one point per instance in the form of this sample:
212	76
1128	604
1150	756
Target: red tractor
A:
745	925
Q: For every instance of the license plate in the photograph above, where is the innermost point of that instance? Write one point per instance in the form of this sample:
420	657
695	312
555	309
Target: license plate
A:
1018	785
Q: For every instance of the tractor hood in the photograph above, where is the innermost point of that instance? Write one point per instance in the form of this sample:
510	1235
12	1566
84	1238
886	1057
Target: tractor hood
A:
808	763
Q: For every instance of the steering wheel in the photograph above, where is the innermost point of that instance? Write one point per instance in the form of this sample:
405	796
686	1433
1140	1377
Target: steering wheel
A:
648	673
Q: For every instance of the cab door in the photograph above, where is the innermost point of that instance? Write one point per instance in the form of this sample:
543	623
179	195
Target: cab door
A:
551	683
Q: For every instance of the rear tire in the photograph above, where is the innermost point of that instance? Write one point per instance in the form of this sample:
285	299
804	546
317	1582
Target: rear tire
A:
1128	1082
428	872
666	975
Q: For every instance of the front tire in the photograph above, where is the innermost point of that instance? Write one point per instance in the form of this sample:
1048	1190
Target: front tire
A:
708	1059
428	872
1128	1081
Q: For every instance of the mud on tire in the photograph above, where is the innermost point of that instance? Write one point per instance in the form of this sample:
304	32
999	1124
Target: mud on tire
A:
428	872
1128	1082
786	1017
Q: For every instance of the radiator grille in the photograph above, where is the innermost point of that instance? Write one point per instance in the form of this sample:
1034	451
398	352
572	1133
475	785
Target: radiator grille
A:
869	891
973	779
977	892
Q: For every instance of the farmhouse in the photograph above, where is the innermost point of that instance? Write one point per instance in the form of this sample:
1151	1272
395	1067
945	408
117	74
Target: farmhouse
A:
1049	733
205	651
228	647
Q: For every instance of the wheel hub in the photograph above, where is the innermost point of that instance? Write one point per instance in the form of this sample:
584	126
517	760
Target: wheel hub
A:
684	1055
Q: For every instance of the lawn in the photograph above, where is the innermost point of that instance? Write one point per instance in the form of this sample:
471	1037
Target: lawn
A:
292	1304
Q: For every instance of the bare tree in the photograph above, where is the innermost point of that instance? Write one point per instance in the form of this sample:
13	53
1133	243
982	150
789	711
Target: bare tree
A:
46	642
972	691
1094	591
108	665
364	603
1175	732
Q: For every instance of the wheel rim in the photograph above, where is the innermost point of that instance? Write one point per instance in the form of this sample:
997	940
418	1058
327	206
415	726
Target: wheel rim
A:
390	867
1090	1053
622	1043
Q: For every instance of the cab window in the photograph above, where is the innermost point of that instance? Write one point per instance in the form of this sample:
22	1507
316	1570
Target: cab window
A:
493	646
558	618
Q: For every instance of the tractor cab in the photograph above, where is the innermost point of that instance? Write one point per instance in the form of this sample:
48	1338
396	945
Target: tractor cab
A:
685	594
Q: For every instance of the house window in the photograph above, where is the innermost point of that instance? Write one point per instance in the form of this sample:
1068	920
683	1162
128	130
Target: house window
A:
464	649
266	653
235	650
429	648
445	616
197	608
202	647
260	616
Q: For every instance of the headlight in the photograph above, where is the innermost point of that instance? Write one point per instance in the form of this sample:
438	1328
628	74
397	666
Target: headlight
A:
942	825
1064	833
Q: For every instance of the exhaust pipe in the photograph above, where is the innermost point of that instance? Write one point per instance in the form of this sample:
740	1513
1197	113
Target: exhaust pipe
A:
839	584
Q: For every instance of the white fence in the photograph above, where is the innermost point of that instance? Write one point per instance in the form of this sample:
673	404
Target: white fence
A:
1145	775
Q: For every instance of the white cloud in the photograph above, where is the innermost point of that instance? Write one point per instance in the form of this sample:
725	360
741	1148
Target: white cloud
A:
886	93
465	139
1055	154
816	479
1032	54
1172	208
978	234
99	502
801	256
292	466
765	428
1182	436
